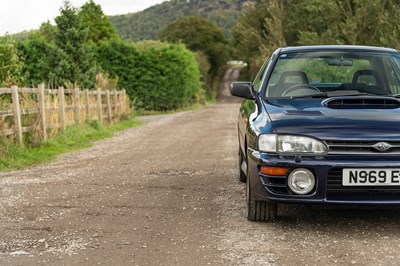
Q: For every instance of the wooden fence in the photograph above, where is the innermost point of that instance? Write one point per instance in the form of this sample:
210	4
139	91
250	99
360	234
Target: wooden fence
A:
56	109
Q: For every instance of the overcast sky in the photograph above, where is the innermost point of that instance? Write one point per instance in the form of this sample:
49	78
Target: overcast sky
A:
20	15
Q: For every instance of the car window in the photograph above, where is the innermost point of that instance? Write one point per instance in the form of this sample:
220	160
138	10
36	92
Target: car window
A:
258	80
393	76
313	73
317	70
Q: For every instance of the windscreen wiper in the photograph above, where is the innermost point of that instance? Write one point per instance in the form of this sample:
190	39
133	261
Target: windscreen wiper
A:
330	94
317	95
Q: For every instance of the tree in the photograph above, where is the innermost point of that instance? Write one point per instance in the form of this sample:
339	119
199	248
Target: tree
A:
366	22
371	22
47	31
72	37
249	33
11	63
98	25
313	23
198	34
269	24
44	62
259	31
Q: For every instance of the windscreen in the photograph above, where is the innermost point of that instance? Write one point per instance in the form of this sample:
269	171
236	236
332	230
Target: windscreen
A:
312	73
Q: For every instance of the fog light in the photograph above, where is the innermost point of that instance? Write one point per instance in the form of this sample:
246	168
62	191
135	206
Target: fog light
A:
301	181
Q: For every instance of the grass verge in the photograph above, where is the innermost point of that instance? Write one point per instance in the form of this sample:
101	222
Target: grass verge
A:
74	138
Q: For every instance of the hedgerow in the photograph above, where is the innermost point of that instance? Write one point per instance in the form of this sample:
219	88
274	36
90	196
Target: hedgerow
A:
157	76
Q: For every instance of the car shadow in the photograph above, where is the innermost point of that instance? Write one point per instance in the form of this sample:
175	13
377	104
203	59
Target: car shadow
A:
334	215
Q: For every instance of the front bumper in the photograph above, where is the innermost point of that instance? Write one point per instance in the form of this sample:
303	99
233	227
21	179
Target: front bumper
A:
328	172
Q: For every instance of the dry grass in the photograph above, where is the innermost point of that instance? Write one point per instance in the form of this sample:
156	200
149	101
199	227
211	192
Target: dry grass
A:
5	104
104	82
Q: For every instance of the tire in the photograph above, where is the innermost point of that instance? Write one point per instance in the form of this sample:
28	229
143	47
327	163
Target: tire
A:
242	175
257	210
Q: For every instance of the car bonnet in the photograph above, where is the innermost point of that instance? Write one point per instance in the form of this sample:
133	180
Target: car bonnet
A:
314	117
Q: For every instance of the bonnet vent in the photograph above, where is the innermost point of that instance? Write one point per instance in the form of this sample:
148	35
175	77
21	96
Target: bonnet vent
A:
361	103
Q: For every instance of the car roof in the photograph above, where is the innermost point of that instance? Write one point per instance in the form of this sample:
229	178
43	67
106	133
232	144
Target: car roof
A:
344	48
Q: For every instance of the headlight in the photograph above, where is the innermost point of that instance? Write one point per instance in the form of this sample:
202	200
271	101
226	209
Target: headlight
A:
291	144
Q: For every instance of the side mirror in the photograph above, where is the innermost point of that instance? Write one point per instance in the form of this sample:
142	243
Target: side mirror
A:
243	90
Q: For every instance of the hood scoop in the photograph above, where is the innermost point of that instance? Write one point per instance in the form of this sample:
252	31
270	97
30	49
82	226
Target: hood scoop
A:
361	102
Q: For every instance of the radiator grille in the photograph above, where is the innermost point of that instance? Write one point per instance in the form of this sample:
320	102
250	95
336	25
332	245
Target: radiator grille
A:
335	189
362	147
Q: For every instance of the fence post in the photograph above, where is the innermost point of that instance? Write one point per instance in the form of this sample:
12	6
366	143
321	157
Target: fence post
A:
99	106
17	113
124	101
116	102
109	112
87	100
121	104
42	109
61	97
76	105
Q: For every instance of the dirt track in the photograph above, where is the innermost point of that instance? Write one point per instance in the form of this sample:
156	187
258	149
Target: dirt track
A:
167	194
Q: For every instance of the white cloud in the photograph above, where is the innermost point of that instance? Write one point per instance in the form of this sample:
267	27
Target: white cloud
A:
20	15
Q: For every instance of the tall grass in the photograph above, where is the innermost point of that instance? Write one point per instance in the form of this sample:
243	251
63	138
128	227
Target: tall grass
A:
76	137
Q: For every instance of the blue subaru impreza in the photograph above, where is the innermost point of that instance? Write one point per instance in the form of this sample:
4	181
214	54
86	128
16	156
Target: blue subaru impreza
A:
321	124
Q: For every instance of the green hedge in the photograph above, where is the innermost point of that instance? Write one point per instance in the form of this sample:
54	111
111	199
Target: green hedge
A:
157	76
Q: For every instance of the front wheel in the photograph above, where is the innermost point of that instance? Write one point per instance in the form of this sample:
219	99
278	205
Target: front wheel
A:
259	210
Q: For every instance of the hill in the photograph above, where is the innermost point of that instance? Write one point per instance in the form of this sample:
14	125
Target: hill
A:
147	24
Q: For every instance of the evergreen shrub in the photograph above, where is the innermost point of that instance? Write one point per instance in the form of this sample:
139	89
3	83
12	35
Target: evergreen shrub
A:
157	76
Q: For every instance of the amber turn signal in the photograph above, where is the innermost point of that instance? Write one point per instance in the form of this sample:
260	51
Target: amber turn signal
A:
277	171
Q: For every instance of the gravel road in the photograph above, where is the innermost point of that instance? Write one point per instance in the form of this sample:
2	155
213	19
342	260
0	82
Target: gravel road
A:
167	193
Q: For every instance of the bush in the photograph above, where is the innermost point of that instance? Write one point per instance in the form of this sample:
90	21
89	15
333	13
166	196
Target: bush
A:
156	76
11	63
